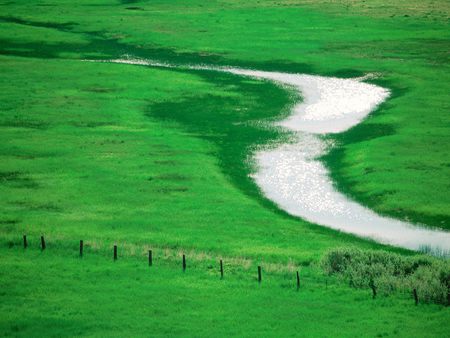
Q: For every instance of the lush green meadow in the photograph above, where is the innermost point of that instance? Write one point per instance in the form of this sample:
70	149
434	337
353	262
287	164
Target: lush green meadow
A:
396	162
159	158
56	294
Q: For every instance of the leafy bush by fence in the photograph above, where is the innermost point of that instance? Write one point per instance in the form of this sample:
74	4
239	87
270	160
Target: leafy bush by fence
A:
387	272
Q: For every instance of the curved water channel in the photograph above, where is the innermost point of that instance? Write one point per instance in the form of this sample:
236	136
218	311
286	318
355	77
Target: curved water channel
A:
292	176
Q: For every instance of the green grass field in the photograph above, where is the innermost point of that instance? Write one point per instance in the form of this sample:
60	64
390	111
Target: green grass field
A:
158	158
57	294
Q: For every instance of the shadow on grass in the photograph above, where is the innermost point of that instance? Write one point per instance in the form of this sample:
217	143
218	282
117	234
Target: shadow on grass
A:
234	124
64	27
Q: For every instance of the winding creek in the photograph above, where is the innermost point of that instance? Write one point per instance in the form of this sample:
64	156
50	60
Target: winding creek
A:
292	176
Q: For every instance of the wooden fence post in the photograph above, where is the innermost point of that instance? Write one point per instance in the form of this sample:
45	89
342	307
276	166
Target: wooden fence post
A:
25	243
259	274
374	289
184	262
115	252
221	269
150	258
81	248
416	298
43	246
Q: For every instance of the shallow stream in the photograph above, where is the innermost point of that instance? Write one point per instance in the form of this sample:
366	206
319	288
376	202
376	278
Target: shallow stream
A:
293	177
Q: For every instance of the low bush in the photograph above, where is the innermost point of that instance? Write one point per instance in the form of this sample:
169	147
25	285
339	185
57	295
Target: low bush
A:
390	272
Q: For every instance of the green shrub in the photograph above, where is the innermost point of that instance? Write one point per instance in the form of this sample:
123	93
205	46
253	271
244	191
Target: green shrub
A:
390	272
429	287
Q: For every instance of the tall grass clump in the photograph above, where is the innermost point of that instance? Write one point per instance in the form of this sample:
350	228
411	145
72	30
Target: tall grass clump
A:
389	272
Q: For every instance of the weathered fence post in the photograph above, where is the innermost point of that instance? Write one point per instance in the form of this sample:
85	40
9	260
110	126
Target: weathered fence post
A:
81	248
221	269
115	252
43	246
25	243
150	258
416	298
374	289
259	274
184	262
448	296
298	281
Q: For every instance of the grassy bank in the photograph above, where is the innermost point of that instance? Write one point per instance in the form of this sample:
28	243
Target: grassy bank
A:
158	158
